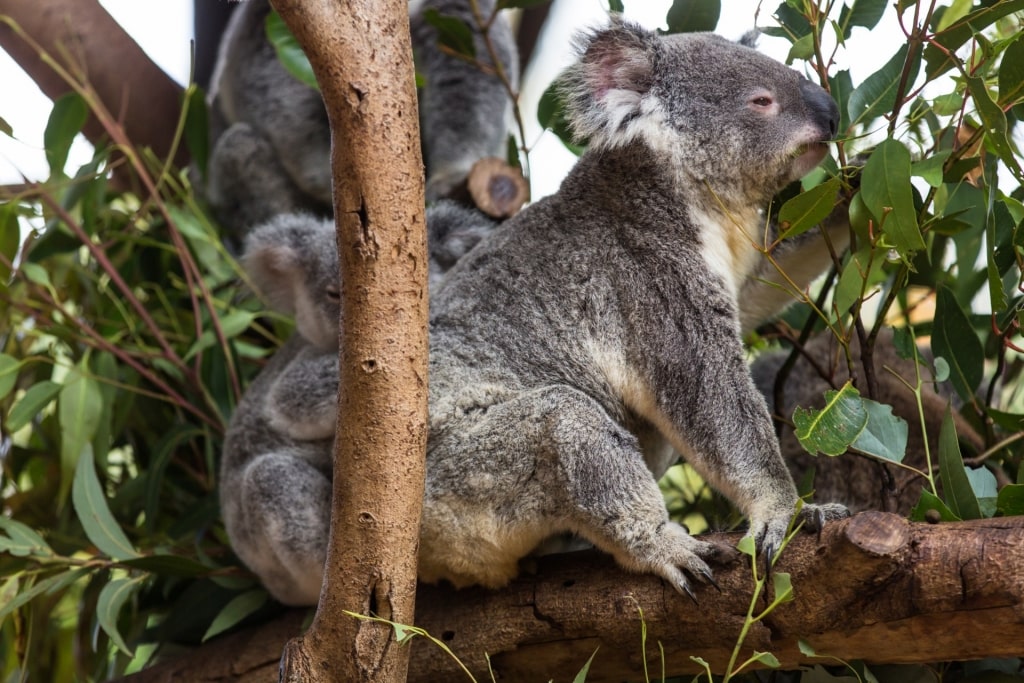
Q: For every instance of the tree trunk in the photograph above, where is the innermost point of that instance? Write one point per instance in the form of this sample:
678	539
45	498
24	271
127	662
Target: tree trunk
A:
361	53
84	40
874	587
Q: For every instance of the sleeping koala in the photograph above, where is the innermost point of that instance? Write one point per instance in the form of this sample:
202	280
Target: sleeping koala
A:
593	337
275	478
271	149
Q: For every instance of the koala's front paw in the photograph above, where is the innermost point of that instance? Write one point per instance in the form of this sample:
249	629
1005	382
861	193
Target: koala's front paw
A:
770	533
677	554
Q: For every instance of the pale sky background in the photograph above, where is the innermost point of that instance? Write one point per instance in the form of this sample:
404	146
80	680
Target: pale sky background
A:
164	30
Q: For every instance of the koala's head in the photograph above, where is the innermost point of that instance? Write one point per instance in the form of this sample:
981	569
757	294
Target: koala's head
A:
452	230
722	112
293	261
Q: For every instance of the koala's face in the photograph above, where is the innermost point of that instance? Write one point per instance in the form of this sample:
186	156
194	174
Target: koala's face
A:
293	261
729	102
720	113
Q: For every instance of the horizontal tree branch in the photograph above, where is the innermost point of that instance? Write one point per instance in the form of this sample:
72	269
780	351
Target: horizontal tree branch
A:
875	587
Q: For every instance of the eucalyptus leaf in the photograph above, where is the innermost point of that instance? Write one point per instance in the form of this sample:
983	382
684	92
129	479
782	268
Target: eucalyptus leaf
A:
877	94
783	587
941	57
232	324
928	502
866	13
22	540
931	168
693	15
289	53
452	33
34	400
10	240
108	607
1010	500
581	677
92	510
956	486
9	368
50	584
955	340
832	429
808	209
67	117
995	125
885	435
78	414
235	611
765	658
861	273
886	189
1011	73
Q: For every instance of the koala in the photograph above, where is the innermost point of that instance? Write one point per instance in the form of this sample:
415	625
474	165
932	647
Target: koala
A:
595	336
275	479
859	482
271	149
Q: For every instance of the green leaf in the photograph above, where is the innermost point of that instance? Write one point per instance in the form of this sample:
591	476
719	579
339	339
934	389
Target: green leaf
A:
783	586
956	487
38	396
66	120
941	57
615	6
197	127
169	565
452	33
866	13
9	367
941	369
35	273
802	48
10	240
983	484
955	341
239	608
288	51
581	677
808	209
805	648
886	189
232	324
92	510
841	86
994	119
1010	501
863	270
746	546
766	658
930	502
931	168
551	115
885	435
947	105
108	607
1011	74
49	585
22	540
877	94
6	128
78	414
835	427
686	16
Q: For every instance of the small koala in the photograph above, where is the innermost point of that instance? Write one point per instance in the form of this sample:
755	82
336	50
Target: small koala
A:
275	478
271	149
590	340
859	482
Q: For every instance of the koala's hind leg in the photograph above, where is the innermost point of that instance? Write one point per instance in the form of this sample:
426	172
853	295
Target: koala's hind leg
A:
280	526
544	462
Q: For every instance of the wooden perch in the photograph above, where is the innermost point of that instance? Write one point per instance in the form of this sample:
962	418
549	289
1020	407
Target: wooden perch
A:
874	587
494	187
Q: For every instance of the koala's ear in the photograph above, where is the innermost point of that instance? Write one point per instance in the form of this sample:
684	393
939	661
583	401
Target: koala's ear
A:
274	264
605	89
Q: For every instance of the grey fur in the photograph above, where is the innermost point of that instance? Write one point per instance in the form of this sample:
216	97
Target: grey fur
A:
275	480
271	150
596	335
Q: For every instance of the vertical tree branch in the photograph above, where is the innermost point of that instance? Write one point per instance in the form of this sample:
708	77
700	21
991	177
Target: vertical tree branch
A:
361	53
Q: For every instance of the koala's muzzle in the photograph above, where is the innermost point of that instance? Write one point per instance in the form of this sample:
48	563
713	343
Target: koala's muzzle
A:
823	108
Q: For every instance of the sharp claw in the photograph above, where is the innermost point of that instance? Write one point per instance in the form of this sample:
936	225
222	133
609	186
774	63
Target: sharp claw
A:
686	589
710	579
769	555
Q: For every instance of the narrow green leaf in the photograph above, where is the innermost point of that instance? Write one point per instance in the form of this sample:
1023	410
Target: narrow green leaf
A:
9	367
36	273
288	51
1010	501
233	324
841	87
947	105
863	270
581	677
67	117
956	487
835	427
886	188
808	209
766	658
686	16
805	648
168	565
197	127
885	435
6	128
783	586
452	33
955	341
931	168
10	239
38	396
746	546
615	6
994	119
48	586
941	57
239	608
866	13
92	510
78	414
108	607
22	540
983	484
551	115
405	633
1011	74
802	48
877	94
930	502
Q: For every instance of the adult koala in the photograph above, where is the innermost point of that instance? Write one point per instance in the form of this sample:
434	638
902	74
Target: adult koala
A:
271	150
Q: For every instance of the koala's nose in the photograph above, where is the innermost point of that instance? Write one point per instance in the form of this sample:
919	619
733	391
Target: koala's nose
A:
823	107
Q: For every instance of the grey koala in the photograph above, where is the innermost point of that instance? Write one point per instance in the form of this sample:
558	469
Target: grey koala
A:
275	479
272	144
595	336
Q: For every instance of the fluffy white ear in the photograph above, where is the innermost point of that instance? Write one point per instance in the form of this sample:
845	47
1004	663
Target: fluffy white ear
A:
274	269
605	89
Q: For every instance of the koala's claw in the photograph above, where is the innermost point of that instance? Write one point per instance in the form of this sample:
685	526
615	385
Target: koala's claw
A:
685	587
707	576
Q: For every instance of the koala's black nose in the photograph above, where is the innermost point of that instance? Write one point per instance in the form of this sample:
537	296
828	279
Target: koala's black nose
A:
823	107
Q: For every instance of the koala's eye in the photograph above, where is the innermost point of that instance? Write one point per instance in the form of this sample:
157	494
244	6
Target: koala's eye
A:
762	101
333	294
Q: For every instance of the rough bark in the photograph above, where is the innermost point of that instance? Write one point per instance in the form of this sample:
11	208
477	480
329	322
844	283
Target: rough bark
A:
874	587
84	40
361	53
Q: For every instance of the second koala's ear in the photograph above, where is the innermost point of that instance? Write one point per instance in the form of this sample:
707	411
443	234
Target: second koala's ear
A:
604	91
274	268
282	254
